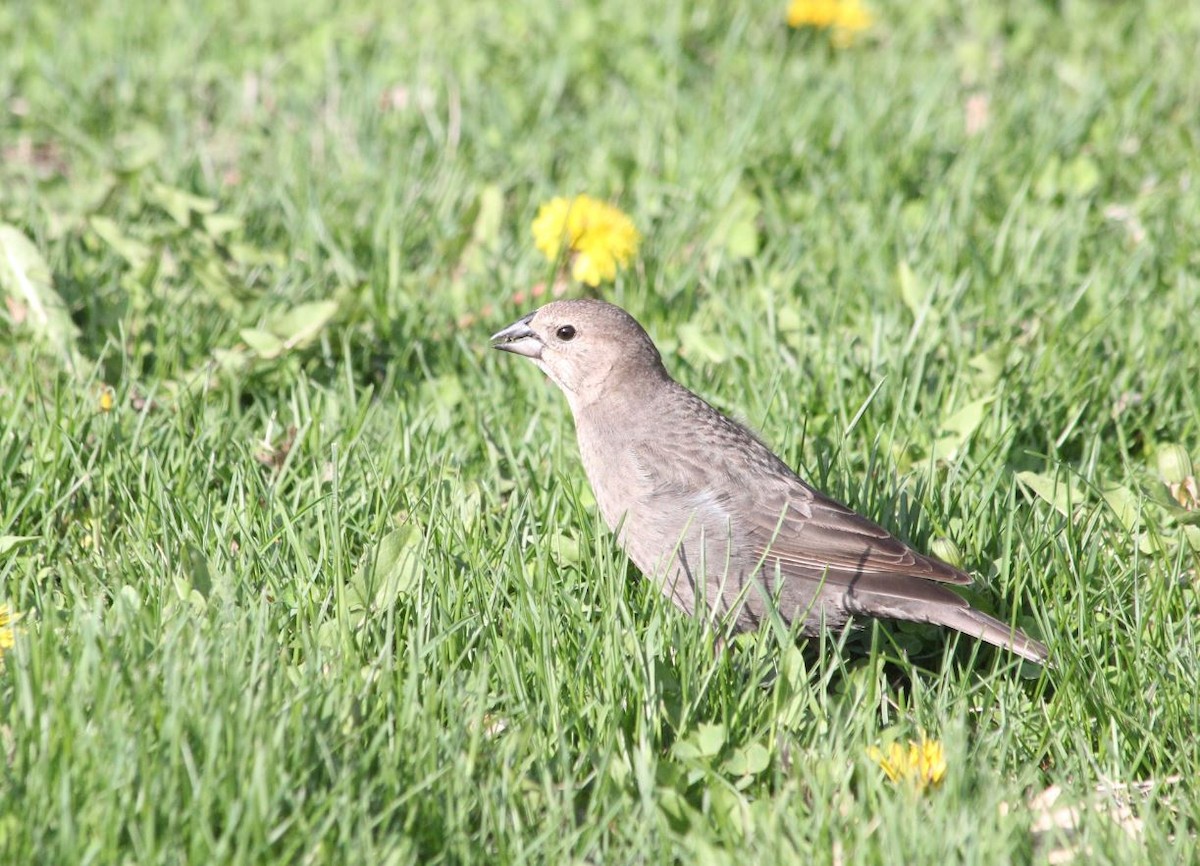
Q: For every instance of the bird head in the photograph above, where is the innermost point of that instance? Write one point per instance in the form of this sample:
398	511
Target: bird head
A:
584	346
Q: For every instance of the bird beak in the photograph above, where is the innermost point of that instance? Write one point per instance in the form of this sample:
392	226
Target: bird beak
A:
519	339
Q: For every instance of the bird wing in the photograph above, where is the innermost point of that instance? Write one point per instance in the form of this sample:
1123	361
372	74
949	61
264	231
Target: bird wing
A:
777	519
770	513
808	534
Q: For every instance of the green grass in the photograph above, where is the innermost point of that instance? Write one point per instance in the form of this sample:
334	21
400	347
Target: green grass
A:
327	583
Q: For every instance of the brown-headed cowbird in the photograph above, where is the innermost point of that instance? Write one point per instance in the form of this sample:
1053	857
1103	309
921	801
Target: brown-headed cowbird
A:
704	508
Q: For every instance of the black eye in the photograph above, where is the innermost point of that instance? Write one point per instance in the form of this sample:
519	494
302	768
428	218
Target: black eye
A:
566	332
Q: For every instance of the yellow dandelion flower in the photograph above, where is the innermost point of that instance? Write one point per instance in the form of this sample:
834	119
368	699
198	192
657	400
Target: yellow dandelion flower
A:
843	18
7	630
598	237
920	764
812	13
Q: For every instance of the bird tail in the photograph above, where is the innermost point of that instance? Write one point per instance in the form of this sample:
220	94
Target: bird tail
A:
918	600
987	628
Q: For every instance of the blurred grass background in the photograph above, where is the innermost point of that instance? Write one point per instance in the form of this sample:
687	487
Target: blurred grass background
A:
309	575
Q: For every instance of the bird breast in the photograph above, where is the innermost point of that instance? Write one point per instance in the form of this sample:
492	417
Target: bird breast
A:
657	495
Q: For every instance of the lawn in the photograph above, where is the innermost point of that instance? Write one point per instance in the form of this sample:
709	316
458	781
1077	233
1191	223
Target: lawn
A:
307	573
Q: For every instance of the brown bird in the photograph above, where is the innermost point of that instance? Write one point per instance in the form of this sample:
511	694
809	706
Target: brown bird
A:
704	508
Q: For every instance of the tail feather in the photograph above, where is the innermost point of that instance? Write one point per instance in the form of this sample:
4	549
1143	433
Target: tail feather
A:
987	628
918	600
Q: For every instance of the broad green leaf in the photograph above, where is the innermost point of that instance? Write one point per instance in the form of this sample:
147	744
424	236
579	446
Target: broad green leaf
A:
1081	176
990	365
1047	184
913	292
490	220
264	344
787	319
1126	505
232	361
329	634
440	396
138	147
674	806
185	592
685	750
914	214
250	256
468	497
25	278
1078	178
445	390
1152	544
9	543
736	233
130	598
748	760
1058	493
619	768
196	570
727	806
180	204
219	224
389	572
710	739
565	549
701	344
212	275
302	324
486	218
704	742
133	251
958	429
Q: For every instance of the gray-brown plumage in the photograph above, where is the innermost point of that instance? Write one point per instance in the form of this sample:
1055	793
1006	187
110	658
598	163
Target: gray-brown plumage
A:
707	510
